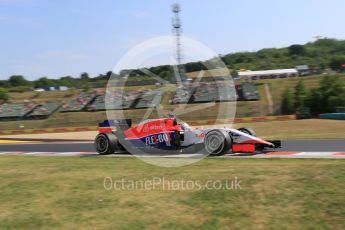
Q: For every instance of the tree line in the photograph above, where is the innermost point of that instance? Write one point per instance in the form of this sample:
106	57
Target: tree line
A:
21	81
321	54
328	97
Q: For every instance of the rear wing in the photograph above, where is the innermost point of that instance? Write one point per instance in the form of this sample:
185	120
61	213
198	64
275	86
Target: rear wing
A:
108	126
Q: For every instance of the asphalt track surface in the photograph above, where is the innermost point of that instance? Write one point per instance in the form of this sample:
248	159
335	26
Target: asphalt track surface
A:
289	145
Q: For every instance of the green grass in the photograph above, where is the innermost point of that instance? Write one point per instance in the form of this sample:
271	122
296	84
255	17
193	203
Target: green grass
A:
277	86
68	193
44	96
298	129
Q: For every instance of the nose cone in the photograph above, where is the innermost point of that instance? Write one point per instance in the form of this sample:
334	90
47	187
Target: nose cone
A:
258	141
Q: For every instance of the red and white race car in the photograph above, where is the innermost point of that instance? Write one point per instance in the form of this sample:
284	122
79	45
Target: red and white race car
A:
167	134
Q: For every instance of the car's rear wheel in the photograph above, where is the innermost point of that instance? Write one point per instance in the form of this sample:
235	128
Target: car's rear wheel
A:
106	143
247	131
217	142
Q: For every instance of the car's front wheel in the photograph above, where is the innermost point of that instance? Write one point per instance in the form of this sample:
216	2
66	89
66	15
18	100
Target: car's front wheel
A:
247	131
106	143
217	142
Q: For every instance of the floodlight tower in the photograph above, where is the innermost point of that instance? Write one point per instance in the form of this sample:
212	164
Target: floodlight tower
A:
318	37
177	31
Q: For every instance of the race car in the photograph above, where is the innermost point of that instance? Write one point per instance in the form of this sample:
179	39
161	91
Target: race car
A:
155	135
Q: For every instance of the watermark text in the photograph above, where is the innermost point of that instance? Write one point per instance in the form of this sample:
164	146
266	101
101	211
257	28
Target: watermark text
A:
162	183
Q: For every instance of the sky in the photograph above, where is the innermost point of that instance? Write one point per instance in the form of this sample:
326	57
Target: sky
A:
57	38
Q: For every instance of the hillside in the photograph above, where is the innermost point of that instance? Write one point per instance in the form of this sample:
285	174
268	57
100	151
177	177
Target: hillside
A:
319	55
243	108
323	53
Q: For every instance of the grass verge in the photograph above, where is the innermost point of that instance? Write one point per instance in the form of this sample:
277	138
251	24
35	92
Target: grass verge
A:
68	193
284	130
298	129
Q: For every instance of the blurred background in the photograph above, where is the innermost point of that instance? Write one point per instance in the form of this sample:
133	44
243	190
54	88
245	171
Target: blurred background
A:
285	58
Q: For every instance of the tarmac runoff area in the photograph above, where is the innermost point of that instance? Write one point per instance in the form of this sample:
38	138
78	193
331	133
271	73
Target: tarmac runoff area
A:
290	149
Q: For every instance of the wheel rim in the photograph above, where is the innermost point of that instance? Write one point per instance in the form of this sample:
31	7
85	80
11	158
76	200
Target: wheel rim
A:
102	144
214	143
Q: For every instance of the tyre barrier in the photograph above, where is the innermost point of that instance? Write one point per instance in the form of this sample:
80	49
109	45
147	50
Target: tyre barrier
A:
333	116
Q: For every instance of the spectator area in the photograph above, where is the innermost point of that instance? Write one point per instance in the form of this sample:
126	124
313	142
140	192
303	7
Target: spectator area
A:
78	103
148	99
214	92
16	110
129	98
126	100
205	92
134	99
44	110
97	104
183	95
114	100
248	92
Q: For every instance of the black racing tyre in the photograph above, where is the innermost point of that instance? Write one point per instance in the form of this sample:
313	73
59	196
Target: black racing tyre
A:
217	142
247	131
106	143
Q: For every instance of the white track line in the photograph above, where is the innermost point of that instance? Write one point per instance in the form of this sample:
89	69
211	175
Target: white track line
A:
334	155
315	154
32	153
